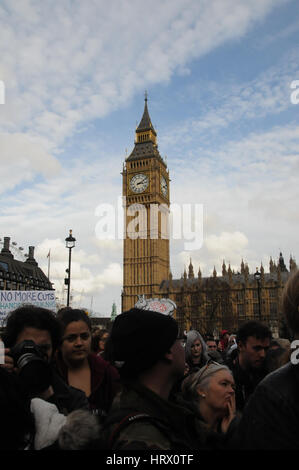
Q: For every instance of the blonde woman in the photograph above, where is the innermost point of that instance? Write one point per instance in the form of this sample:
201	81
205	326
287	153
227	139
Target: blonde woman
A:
211	393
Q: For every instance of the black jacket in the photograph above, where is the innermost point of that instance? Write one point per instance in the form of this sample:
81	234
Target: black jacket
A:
271	417
245	382
66	397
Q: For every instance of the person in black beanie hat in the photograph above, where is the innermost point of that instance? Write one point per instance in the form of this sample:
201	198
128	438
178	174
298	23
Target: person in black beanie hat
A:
144	345
139	338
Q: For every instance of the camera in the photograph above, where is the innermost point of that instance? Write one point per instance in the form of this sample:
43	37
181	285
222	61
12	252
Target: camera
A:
32	362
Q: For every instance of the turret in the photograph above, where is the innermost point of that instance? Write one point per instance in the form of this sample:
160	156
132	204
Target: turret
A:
190	270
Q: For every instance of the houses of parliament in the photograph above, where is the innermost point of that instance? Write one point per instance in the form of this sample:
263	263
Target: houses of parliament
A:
208	304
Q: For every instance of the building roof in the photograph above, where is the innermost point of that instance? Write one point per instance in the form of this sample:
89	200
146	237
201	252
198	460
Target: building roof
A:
191	283
22	272
144	150
145	123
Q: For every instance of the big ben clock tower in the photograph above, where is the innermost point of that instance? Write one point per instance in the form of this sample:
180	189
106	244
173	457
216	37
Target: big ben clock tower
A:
146	196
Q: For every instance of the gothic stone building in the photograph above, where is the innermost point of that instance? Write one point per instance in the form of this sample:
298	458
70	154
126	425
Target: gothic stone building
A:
210	304
207	304
21	275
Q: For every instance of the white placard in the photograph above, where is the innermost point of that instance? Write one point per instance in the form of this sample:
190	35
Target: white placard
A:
12	299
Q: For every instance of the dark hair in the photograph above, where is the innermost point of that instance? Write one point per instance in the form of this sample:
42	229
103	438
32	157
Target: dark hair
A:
96	337
30	316
290	302
253	328
67	315
209	338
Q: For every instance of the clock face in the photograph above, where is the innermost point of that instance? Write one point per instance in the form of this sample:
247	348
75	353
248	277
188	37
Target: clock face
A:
163	186
139	183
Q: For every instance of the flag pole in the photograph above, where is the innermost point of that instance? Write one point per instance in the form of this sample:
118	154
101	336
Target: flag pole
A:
49	256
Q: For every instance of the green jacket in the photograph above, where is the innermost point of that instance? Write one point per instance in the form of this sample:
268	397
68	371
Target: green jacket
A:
139	419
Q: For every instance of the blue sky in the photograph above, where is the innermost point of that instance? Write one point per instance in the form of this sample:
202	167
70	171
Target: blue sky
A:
218	76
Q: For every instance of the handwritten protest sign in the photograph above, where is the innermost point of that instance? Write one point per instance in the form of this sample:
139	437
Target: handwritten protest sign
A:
12	299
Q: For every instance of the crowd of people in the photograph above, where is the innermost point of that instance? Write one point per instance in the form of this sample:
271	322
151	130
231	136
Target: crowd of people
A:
139	386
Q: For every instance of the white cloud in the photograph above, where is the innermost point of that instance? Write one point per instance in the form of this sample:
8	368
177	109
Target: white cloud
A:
88	277
226	243
112	275
27	157
65	72
249	189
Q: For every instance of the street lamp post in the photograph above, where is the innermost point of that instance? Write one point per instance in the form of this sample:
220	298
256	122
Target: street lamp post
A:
69	243
257	277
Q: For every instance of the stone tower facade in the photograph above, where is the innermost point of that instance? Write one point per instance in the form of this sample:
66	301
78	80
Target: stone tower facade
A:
146	216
